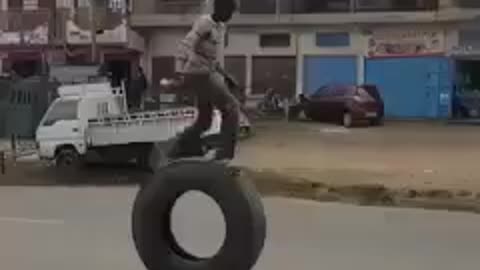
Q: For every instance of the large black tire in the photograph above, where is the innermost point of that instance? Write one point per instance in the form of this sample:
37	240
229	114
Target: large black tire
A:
238	199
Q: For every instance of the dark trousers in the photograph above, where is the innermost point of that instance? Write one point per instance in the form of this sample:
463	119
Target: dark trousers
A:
211	92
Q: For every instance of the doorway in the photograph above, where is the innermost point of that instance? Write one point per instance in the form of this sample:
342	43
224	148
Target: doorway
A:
27	68
466	95
120	70
274	72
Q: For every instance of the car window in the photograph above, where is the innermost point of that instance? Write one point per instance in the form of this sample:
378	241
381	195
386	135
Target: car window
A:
62	110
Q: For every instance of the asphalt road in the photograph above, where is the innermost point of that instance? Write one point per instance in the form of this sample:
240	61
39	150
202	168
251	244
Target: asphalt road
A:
88	228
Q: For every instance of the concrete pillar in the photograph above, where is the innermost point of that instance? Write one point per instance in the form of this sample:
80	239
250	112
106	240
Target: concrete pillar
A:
300	71
249	78
300	63
147	58
360	69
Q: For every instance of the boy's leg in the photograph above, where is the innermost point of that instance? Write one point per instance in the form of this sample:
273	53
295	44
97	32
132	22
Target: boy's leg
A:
189	143
229	106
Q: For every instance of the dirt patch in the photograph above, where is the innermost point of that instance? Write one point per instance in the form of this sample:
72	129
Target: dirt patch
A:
268	182
271	183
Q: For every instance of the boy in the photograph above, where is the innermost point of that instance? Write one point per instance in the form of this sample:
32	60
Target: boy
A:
197	63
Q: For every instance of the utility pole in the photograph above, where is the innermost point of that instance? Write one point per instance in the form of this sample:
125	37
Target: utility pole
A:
93	31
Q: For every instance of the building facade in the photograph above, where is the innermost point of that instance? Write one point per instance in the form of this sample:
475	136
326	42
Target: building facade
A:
37	33
407	47
419	52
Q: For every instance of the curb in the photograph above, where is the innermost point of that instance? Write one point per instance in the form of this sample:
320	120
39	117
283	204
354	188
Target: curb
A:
270	183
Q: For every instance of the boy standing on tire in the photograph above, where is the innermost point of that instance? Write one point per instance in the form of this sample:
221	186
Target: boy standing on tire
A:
198	64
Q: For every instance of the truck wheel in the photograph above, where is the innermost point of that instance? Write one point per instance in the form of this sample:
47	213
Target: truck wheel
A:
67	158
239	201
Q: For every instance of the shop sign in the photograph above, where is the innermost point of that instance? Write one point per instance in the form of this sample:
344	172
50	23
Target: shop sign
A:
394	42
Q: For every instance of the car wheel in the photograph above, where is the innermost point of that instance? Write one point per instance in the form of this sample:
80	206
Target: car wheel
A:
347	119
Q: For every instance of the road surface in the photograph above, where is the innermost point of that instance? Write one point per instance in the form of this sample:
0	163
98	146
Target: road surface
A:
88	228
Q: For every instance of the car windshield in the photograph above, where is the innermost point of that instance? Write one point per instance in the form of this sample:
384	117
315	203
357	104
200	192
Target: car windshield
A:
61	110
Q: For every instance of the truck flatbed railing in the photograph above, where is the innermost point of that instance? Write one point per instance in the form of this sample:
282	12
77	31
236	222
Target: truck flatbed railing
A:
169	114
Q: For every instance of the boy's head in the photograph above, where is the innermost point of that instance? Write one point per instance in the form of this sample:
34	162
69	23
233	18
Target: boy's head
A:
223	10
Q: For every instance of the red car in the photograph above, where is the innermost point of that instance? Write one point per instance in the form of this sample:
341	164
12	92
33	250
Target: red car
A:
345	104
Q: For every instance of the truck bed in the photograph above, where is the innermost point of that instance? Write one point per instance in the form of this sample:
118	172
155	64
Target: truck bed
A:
143	127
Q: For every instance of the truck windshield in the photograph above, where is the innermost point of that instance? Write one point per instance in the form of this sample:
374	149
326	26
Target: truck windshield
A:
62	110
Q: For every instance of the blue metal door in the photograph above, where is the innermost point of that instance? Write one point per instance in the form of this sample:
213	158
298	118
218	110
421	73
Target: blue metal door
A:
413	87
322	70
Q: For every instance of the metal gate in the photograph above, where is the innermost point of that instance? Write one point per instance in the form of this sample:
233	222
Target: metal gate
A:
412	87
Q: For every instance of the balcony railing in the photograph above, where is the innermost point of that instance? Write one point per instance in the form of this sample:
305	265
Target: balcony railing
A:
105	18
25	27
289	6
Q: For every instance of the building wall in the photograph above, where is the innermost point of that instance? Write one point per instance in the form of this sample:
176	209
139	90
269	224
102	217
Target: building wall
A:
243	41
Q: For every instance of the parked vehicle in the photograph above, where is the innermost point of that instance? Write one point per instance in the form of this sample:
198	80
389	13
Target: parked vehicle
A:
345	104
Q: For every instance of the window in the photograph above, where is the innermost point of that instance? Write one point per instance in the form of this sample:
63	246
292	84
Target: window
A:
257	7
275	40
102	109
15	4
332	39
62	110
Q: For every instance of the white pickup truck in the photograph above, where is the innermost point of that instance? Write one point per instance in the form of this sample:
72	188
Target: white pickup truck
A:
93	118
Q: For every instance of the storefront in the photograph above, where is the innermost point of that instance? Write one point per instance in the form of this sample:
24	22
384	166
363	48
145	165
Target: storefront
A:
466	61
411	71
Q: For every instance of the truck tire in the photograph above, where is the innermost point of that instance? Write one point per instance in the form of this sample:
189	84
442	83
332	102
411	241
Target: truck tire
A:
67	158
238	200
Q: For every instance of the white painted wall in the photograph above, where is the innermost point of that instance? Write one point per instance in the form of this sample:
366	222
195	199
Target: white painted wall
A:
164	42
451	39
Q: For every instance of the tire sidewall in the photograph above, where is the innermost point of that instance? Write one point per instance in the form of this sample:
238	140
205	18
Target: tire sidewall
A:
67	158
240	205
